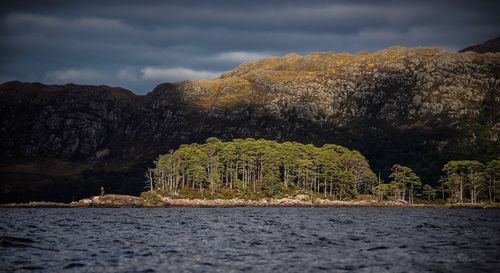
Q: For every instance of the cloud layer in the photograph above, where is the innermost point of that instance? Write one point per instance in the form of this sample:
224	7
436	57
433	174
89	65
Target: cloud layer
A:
138	45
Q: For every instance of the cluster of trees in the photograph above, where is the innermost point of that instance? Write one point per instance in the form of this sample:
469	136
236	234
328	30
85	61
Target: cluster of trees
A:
270	167
403	185
470	179
463	179
263	165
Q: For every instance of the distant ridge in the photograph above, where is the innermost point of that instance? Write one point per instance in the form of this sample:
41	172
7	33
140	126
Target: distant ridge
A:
492	46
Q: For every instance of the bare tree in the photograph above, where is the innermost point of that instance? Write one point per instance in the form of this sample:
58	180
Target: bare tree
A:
149	176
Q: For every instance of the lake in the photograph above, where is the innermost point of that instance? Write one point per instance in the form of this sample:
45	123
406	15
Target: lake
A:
250	239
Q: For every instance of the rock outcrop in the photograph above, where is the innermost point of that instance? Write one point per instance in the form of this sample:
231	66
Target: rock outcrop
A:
414	106
115	200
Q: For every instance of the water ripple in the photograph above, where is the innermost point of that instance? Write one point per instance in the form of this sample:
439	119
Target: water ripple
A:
250	239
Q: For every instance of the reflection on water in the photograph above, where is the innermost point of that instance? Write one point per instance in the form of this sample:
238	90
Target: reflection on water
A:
250	239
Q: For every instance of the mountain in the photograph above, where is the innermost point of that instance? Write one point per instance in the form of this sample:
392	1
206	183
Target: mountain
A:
415	106
492	46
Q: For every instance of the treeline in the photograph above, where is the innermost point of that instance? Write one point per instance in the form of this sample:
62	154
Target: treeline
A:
462	179
470	179
263	165
403	186
272	168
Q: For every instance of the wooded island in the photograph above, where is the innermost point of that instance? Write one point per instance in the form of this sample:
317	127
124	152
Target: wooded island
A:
253	169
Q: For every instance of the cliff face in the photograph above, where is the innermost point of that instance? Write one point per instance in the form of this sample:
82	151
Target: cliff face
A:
70	122
415	106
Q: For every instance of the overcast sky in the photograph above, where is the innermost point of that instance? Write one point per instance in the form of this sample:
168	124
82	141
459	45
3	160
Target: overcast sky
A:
137	45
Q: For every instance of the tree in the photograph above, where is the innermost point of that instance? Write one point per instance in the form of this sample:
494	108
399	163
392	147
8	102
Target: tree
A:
214	181
454	171
212	149
492	172
149	176
228	157
345	185
363	177
452	184
442	186
429	192
405	181
475	178
385	191
271	171
329	167
463	174
197	171
288	154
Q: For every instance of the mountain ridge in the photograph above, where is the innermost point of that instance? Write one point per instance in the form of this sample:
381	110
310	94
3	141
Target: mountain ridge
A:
417	106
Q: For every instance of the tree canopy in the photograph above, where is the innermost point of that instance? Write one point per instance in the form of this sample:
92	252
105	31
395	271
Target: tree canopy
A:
266	166
262	167
467	179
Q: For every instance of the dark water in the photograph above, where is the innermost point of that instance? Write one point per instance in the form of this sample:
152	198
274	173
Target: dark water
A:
250	239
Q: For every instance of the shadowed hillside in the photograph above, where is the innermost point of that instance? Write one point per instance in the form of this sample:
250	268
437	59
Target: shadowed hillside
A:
492	45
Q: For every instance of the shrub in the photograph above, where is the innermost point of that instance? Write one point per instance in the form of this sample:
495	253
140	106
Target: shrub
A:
151	198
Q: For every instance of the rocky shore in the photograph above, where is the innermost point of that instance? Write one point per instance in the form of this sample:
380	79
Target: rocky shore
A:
127	201
281	202
104	201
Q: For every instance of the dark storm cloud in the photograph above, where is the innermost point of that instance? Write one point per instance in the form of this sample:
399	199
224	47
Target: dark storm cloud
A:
138	44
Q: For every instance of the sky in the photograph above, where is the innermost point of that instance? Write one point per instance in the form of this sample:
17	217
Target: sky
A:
140	44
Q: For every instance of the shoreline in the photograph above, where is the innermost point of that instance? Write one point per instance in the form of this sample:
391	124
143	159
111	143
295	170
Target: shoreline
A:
127	201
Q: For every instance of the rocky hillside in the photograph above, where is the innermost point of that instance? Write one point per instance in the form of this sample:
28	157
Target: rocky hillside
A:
71	121
414	106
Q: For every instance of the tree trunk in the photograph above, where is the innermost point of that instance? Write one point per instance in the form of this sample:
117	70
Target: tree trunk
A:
151	180
286	176
490	190
411	194
494	190
461	190
331	186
